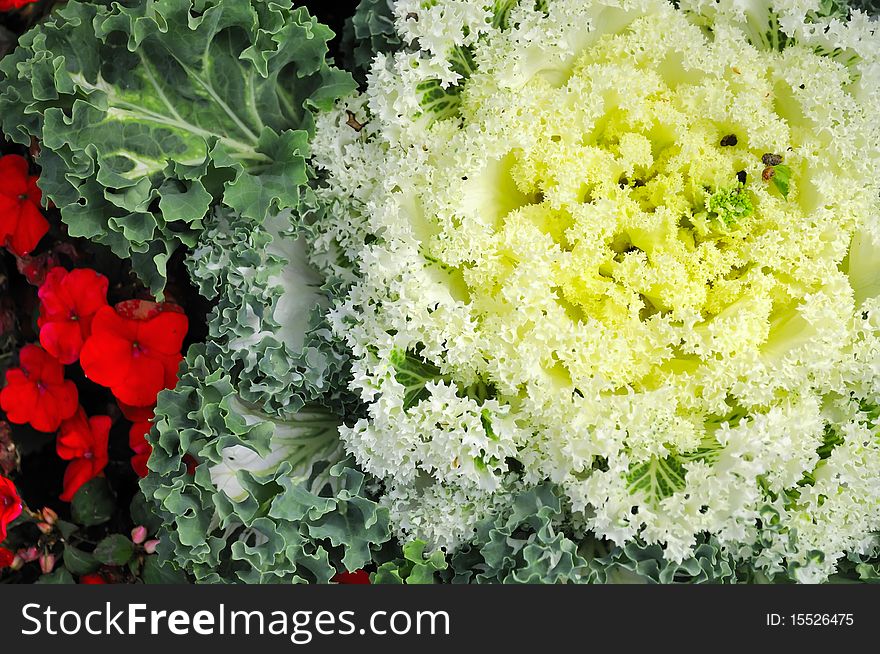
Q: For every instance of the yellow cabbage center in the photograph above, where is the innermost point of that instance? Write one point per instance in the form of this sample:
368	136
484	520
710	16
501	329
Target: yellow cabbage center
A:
648	217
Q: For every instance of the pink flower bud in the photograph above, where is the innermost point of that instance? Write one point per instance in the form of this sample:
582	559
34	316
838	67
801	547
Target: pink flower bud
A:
150	546
49	516
44	527
28	555
138	535
17	563
47	563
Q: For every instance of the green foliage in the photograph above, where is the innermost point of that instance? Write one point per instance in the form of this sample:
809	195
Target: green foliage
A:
94	503
840	8
522	546
367	33
439	101
156	573
870	7
413	373
57	576
782	179
151	111
79	562
115	549
414	568
268	325
290	523
639	563
528	545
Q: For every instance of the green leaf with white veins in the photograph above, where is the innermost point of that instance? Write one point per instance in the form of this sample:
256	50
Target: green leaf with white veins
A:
152	110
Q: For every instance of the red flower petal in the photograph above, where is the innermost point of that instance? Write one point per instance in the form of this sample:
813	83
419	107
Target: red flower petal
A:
13	175
105	358
100	427
69	301
30	229
78	472
7	5
87	289
54	303
10	505
356	577
172	369
135	358
54	404
34	193
139	464
63	340
84	443
6	558
18	399
74	437
107	321
163	334
142	449
136	413
93	579
144	379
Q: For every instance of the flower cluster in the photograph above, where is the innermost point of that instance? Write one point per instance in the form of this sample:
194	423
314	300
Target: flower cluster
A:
37	393
133	348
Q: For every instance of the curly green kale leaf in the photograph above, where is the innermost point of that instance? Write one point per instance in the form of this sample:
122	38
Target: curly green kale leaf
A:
150	111
416	566
268	327
370	31
534	543
269	501
524	545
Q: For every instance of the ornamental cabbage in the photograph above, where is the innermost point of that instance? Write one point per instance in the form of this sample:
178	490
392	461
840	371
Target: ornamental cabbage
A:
626	248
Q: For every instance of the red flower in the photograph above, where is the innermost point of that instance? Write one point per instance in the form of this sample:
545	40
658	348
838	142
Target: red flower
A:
136	413
10	505
83	442
6	558
8	5
135	358
69	301
37	391
356	577
93	579
22	224
137	441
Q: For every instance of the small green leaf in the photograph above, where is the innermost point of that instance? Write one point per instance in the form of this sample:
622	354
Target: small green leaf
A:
782	179
93	504
79	562
66	528
114	550
156	573
388	573
59	576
